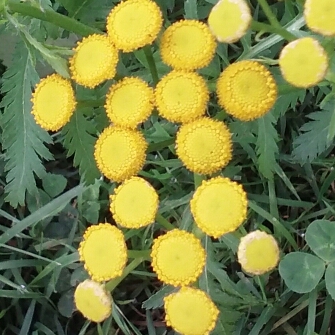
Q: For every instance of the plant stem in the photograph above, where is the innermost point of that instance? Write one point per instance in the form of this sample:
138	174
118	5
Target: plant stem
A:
259	26
49	15
145	254
164	223
269	14
151	63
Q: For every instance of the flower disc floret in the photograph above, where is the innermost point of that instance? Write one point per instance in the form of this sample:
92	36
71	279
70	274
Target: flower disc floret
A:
204	145
229	20
134	203
258	252
120	153
246	90
219	206
303	62
181	96
53	102
94	61
187	45
319	16
178	258
190	311
133	24
129	102
93	301
103	251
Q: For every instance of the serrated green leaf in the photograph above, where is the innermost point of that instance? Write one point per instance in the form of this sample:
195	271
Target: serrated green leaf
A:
22	140
157	299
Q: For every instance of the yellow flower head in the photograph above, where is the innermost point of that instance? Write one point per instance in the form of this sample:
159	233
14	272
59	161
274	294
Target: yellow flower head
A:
187	45
178	258
219	206
103	251
129	102
204	145
134	203
319	16
53	102
120	153
258	252
94	61
181	96
303	62
246	90
229	20
93	301
133	24
190	311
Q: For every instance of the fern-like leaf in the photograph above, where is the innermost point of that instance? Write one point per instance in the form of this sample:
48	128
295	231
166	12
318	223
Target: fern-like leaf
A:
22	140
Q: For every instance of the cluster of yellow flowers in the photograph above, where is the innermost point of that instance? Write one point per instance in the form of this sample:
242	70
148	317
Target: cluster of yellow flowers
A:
245	89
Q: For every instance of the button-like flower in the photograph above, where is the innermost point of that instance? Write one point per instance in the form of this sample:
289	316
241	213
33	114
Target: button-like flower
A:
53	102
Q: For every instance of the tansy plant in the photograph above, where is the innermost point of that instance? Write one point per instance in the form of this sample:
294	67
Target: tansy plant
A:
177	116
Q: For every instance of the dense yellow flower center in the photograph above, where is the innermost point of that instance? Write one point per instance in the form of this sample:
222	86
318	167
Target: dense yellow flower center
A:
94	61
181	96
134	203
93	301
303	62
258	252
178	257
103	252
187	45
204	145
120	153
247	90
53	102
219	206
229	20
134	23
190	312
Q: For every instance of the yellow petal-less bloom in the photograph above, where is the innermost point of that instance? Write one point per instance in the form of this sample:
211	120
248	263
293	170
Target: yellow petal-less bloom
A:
129	102
133	24
190	311
181	96
246	90
258	252
94	61
103	251
120	153
229	20
204	145
187	45
53	102
319	16
219	206
178	258
303	62
93	301
134	203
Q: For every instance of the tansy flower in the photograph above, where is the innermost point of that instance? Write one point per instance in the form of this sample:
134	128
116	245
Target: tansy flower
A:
258	252
303	62
190	311
133	24
120	153
229	20
178	258
204	145
129	102
53	102
246	90
93	301
319	16
94	61
187	45
134	203
219	206
181	96
103	251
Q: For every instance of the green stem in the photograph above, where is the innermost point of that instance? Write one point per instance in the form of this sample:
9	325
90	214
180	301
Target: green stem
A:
151	62
145	254
164	223
259	26
269	14
49	15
